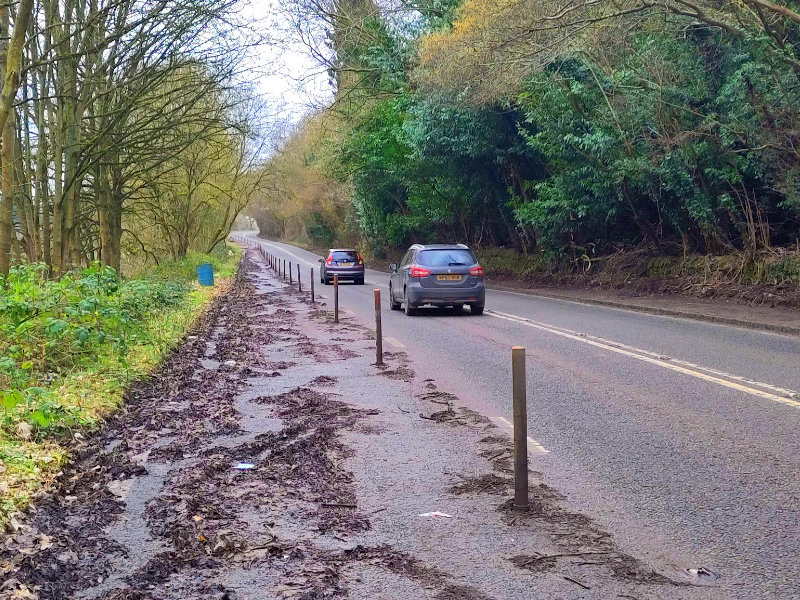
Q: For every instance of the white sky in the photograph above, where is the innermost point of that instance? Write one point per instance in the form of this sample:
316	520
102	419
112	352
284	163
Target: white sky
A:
282	70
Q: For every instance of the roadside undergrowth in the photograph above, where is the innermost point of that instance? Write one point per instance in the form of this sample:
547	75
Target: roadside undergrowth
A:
771	277
70	348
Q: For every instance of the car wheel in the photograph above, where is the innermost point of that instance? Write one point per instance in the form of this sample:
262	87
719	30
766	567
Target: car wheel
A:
410	310
393	304
476	309
360	281
457	308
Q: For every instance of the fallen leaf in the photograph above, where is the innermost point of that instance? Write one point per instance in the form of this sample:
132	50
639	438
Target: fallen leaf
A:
23	431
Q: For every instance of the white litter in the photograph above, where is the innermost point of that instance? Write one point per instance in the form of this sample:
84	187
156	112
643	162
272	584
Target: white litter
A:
244	466
702	574
230	363
436	514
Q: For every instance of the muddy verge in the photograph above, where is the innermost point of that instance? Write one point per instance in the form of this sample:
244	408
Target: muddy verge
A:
268	458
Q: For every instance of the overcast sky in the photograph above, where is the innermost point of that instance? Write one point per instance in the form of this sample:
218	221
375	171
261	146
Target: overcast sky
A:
282	69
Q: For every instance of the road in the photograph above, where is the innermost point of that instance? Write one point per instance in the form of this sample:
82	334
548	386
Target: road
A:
678	437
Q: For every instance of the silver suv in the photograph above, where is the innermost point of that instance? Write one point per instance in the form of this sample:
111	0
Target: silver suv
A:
439	275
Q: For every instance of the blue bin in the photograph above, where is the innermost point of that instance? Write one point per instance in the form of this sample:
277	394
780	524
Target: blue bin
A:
205	274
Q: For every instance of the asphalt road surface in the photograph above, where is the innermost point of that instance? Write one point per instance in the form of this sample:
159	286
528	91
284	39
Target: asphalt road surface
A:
681	438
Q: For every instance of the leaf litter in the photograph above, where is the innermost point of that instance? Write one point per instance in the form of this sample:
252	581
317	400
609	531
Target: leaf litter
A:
164	514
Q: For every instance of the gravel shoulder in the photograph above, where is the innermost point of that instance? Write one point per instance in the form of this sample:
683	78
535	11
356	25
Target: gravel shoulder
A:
338	459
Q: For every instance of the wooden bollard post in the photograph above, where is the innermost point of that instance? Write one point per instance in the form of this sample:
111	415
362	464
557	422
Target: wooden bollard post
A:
335	298
519	388
378	329
290	273
299	285
312	286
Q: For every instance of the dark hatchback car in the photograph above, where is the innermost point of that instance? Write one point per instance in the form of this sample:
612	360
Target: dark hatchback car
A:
437	275
344	262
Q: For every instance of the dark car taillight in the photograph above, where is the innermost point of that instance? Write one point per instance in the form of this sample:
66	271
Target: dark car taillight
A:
476	271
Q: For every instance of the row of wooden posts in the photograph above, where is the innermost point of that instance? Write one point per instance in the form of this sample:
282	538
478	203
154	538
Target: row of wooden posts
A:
284	269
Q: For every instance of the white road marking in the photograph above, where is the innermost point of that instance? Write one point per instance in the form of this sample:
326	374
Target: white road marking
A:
534	447
395	342
289	252
647	356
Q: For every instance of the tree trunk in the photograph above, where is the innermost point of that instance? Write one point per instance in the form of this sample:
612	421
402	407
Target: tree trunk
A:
109	200
6	149
7	187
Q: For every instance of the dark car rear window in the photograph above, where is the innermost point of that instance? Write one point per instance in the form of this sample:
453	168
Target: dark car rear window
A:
446	258
345	256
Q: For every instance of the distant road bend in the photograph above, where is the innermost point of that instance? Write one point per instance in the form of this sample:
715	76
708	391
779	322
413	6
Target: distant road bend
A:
679	437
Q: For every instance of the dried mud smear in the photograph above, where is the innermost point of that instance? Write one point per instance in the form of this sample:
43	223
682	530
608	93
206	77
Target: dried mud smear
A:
152	509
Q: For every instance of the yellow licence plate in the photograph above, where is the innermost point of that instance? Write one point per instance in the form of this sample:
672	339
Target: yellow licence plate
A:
448	277
345	264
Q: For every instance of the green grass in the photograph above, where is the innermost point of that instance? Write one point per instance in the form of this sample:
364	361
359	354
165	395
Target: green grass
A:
70	348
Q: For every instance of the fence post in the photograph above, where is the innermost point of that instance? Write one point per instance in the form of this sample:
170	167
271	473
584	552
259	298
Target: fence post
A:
291	282
378	329
519	387
335	298
313	300
299	284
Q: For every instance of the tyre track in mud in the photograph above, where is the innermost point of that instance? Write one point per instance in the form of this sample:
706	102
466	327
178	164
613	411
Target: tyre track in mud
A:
153	507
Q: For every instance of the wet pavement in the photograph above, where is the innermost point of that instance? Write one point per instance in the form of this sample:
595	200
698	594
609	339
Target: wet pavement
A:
269	458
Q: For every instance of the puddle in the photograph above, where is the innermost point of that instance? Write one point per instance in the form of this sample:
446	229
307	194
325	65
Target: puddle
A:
209	364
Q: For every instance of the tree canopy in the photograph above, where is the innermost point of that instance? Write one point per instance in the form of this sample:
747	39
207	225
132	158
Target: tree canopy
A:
562	126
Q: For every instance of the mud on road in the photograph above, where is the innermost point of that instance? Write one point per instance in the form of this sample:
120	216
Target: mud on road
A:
269	459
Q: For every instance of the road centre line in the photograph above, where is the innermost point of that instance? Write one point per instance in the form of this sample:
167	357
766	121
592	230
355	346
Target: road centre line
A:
781	395
678	366
790	394
533	446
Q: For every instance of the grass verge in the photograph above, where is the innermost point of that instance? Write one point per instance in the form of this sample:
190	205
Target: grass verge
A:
69	349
